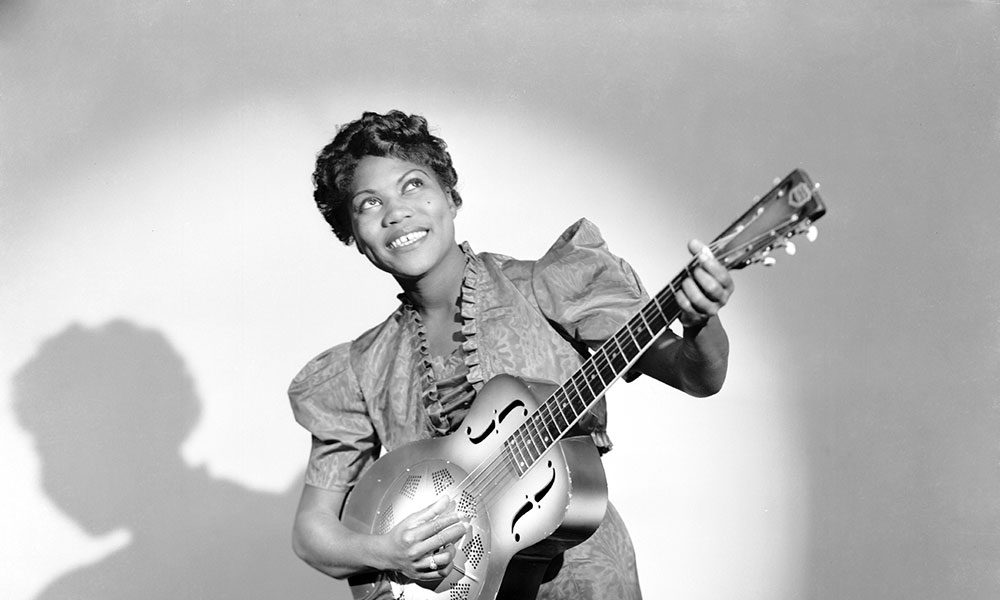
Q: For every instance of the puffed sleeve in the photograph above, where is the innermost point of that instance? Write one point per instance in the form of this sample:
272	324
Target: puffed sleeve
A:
326	400
585	289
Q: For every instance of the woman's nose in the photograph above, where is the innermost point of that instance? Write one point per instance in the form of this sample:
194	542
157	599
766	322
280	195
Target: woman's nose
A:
395	211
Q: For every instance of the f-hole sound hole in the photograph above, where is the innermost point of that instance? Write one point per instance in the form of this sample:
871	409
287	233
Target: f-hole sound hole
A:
529	505
475	439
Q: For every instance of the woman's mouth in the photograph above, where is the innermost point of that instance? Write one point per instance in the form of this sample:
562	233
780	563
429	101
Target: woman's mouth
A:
406	239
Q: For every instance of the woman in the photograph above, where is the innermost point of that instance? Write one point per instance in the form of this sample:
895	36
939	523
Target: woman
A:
387	185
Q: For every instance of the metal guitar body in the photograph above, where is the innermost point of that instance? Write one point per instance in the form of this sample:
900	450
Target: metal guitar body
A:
520	517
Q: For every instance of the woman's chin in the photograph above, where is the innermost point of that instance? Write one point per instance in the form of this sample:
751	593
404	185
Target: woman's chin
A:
415	262
408	269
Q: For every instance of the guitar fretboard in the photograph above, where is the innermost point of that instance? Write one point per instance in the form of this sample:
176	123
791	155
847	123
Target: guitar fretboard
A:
557	415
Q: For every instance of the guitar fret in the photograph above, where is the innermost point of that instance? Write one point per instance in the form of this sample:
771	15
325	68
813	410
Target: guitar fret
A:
591	371
512	461
521	463
525	451
620	355
563	406
642	317
539	434
511	455
563	422
595	373
675	308
539	425
533	452
557	408
659	307
631	336
644	335
548	424
653	317
662	313
604	365
589	389
569	398
530	453
607	373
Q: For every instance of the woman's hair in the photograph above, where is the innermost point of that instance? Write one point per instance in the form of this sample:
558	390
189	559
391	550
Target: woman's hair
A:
394	134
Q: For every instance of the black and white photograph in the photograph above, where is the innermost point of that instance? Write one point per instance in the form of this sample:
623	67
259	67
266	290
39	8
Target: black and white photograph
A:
483	300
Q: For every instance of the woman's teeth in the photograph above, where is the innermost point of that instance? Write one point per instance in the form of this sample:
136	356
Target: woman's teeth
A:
406	240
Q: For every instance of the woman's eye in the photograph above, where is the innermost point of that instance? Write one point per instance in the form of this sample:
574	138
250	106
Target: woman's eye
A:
369	202
412	184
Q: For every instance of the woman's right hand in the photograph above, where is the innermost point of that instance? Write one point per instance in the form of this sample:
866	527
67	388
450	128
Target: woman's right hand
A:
422	546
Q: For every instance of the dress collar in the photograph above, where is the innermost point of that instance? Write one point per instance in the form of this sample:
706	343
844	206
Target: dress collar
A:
471	280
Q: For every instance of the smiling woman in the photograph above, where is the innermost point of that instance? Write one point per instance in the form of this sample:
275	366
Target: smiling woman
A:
466	323
406	228
393	135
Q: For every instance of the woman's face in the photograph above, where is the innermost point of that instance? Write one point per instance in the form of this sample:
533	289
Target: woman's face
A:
403	220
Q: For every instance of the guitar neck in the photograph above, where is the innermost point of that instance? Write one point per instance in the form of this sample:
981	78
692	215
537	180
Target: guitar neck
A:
787	210
606	364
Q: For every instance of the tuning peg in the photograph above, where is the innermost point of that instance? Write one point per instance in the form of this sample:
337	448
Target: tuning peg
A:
768	261
812	233
815	186
790	248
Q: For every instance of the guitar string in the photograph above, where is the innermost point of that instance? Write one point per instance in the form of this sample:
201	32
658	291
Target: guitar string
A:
486	488
599	363
484	478
593	366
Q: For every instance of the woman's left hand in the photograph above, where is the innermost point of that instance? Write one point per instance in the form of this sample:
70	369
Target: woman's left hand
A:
707	289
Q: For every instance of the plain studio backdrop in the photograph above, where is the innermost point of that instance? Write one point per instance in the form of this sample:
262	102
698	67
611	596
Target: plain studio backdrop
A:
165	274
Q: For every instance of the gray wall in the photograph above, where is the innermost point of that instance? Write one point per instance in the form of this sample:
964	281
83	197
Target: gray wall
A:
156	227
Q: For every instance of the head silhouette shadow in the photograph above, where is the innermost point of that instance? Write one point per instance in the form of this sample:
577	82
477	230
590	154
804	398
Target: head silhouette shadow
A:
108	408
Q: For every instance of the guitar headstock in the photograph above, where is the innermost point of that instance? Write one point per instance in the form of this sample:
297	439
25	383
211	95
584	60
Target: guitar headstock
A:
789	209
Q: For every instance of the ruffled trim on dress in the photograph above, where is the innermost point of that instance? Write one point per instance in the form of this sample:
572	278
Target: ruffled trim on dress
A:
468	312
439	423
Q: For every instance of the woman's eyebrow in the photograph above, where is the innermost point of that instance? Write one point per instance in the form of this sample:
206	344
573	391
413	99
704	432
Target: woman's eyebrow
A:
401	178
359	192
407	174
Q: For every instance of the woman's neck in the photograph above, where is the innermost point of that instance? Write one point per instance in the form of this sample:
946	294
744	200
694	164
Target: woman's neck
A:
436	292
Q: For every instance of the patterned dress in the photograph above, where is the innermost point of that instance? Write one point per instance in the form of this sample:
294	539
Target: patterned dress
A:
533	319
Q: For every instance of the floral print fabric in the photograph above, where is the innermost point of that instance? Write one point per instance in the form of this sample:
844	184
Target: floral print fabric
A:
532	319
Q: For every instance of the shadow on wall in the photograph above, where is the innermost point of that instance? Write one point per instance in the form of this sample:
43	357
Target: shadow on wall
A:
109	409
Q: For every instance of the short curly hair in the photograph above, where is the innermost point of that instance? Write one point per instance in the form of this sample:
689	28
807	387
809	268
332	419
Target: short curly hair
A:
394	134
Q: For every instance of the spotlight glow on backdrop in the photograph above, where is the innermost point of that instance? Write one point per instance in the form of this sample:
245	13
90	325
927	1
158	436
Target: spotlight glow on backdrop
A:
207	234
